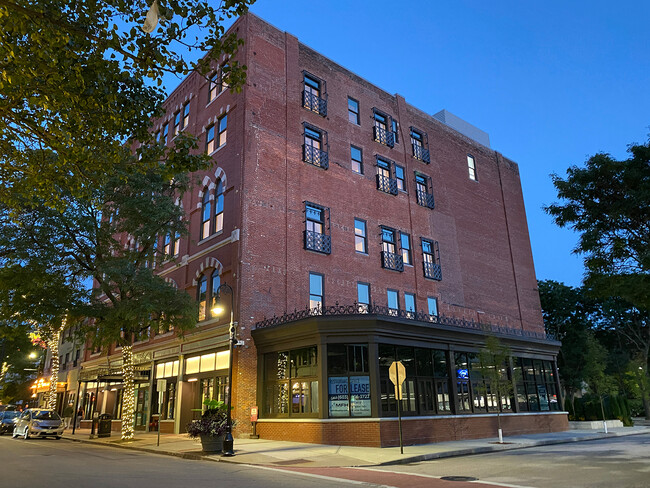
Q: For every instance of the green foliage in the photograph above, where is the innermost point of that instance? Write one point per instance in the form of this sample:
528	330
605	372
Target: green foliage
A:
493	368
80	79
608	203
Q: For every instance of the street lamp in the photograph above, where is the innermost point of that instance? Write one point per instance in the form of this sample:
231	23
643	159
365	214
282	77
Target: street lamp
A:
218	309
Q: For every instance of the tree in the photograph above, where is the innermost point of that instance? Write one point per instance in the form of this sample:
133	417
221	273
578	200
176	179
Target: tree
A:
567	313
608	203
110	235
80	78
495	384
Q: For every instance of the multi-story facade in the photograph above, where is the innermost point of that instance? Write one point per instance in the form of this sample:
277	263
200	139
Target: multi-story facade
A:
355	230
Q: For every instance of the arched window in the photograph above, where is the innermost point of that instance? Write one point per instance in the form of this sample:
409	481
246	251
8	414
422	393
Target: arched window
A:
202	295
218	215
205	213
214	286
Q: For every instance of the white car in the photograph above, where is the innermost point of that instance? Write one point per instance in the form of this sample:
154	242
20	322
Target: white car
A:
38	422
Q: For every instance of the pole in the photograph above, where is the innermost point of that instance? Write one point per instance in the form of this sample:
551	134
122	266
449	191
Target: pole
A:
228	442
398	397
93	409
76	408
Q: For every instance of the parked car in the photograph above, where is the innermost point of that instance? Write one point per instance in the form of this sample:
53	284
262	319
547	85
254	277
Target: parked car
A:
7	418
38	422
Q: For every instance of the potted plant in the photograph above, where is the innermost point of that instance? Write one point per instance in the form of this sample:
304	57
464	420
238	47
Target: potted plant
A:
211	428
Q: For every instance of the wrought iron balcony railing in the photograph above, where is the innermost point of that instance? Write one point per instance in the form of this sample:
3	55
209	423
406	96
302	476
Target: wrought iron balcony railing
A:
424	199
314	103
419	318
315	156
315	241
392	261
421	153
386	184
432	271
383	136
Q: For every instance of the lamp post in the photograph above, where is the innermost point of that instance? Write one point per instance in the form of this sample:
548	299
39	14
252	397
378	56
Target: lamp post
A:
228	442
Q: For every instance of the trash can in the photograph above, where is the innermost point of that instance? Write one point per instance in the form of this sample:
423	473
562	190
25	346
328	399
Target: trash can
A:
104	425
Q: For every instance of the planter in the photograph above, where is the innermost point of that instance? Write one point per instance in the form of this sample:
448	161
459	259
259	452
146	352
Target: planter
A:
211	443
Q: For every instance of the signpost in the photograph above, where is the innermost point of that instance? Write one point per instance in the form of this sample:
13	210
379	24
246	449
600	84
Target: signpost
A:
254	414
397	374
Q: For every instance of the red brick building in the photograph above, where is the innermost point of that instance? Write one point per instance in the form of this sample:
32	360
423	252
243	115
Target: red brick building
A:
355	230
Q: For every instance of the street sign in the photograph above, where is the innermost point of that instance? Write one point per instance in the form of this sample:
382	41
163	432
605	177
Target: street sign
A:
254	412
397	374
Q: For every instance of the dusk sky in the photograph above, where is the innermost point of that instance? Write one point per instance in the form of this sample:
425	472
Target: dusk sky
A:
552	83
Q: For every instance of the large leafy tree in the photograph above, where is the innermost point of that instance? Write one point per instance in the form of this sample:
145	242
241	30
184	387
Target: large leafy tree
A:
111	234
608	203
72	82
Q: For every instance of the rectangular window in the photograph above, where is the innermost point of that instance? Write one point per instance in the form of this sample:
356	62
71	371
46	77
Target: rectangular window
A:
177	123
393	302
405	242
167	247
312	95
395	127
353	111
432	304
363	297
214	86
186	116
399	177
291	382
382	132
360	236
431	260
209	140
348	387
177	244
385	182
409	305
389	257
312	149
223	130
357	159
471	167
316	292
423	196
316	237
165	132
420	146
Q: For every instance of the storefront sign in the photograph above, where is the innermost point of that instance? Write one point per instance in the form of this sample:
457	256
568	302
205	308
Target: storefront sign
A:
360	396
462	374
338	396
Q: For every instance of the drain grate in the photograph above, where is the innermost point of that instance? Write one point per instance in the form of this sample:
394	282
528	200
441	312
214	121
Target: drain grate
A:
459	478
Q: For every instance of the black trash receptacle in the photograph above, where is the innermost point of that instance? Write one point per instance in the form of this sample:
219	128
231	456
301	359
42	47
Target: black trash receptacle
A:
104	425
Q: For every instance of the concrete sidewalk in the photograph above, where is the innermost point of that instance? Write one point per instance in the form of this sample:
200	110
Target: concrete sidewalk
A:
282	453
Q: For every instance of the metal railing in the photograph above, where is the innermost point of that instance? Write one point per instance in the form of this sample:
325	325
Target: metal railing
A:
383	136
386	184
314	103
380	311
432	271
424	199
315	156
315	241
392	261
421	153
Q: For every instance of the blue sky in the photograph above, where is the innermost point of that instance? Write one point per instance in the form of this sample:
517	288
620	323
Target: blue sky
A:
551	82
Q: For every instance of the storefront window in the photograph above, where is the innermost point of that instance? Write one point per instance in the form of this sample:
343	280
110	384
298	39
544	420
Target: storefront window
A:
348	382
291	384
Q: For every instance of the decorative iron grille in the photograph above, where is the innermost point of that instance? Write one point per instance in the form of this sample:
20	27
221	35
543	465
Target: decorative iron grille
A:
383	136
391	260
432	271
421	153
315	241
386	184
424	319
315	156
425	199
314	103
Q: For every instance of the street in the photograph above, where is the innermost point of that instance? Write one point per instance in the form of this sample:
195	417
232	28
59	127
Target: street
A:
621	462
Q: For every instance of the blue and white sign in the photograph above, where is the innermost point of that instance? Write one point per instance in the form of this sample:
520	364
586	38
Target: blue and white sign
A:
360	396
462	374
338	396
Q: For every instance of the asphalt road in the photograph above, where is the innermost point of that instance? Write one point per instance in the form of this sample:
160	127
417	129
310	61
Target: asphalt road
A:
618	462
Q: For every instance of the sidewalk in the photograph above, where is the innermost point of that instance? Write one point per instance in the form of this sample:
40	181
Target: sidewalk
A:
281	453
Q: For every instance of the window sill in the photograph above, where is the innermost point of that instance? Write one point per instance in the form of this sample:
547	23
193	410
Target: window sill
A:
362	253
212	236
217	149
